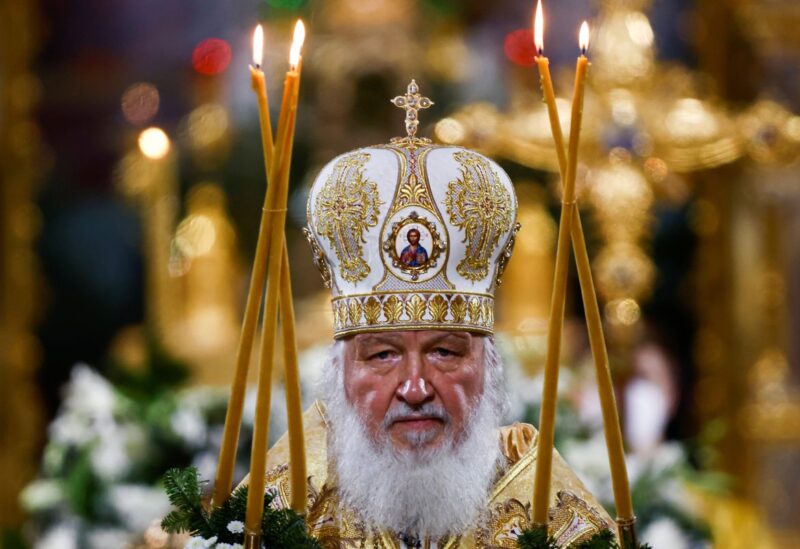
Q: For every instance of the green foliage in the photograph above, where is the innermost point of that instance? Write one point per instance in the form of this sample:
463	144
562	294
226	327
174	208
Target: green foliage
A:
184	493
539	539
536	538
280	528
12	539
603	539
160	373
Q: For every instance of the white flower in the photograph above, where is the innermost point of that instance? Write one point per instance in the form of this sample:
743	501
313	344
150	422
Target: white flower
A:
667	456
228	546
61	536
137	506
41	494
71	430
109	457
103	538
198	542
189	425
195	543
589	460
665	532
206	464
88	393
236	527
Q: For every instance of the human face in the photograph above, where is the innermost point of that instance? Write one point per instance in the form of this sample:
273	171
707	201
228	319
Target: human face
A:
413	237
416	388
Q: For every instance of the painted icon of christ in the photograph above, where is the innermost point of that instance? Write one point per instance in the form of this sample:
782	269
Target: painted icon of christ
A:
415	254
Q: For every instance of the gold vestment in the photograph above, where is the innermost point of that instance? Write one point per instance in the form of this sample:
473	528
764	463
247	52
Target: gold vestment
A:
575	515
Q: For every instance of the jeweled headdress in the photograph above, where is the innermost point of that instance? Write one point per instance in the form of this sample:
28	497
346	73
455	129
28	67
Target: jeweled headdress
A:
412	235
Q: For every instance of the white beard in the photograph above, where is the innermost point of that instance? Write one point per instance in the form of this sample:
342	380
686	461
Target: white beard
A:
434	493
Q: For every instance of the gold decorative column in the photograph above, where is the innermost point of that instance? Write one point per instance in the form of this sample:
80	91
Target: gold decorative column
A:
20	164
205	269
530	275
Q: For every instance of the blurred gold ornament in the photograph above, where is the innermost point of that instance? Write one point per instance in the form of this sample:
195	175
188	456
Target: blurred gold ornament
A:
638	136
205	270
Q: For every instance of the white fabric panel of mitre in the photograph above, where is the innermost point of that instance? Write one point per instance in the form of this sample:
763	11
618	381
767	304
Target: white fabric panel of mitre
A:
442	168
382	169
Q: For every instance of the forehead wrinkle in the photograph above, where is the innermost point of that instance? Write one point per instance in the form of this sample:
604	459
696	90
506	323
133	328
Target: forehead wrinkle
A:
371	339
465	337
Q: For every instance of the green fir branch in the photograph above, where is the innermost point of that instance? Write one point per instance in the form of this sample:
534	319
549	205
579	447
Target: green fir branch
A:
280	528
604	539
184	493
538	538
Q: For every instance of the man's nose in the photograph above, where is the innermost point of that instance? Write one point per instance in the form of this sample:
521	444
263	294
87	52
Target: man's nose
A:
413	388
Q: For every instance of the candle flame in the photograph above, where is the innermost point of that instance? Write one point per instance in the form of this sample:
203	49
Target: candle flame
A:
538	28
258	45
297	44
583	37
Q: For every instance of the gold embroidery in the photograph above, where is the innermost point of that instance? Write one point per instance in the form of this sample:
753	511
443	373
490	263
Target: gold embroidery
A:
507	521
372	310
488	313
430	310
412	193
354	312
393	308
505	255
341	311
459	309
276	482
415	307
438	308
481	206
318	257
475	310
348	205
573	521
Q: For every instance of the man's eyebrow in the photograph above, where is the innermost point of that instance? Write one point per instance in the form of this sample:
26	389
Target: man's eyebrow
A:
372	339
462	337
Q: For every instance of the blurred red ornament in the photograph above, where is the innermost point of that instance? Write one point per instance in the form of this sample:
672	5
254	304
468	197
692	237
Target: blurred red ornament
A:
519	47
211	56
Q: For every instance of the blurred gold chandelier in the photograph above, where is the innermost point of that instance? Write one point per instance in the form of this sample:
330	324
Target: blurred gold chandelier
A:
644	124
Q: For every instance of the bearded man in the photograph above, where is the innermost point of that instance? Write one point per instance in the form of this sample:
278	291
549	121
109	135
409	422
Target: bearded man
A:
406	448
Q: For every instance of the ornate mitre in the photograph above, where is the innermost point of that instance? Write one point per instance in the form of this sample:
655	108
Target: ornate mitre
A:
411	235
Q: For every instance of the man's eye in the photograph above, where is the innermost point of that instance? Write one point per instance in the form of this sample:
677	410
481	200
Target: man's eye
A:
383	355
442	352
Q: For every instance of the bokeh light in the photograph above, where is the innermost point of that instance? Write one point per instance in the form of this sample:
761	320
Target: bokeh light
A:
449	130
211	56
623	311
154	143
519	47
207	124
195	236
140	103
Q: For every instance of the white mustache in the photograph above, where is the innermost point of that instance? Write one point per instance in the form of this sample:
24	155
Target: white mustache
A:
404	412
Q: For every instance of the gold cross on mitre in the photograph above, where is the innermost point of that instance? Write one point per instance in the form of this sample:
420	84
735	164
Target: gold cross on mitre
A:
412	102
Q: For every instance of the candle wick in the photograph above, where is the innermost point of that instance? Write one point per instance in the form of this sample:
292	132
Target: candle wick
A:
539	51
583	51
257	66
